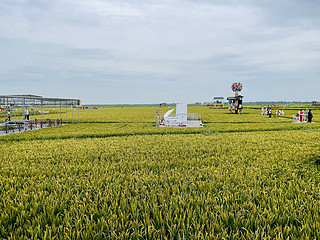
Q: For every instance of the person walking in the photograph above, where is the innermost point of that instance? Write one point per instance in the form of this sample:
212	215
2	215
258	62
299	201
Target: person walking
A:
309	116
26	114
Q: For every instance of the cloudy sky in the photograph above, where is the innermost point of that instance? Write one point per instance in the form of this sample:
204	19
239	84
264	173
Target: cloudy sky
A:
150	51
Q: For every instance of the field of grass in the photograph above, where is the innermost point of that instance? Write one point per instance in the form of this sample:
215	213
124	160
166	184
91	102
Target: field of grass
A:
116	176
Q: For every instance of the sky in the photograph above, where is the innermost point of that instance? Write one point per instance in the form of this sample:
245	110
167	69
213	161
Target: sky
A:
152	51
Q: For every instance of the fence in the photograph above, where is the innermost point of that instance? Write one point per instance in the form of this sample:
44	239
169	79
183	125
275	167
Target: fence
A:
22	125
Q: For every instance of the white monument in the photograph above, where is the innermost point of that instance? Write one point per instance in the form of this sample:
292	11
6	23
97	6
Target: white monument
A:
182	118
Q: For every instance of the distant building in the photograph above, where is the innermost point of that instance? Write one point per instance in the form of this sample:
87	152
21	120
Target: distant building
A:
218	102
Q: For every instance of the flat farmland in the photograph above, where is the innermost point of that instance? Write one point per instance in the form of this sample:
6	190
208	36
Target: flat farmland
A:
116	176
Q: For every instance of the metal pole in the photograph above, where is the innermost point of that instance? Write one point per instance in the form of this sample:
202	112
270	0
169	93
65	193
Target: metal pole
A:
78	115
7	107
72	111
22	105
5	112
14	110
41	110
2	110
66	113
55	113
157	118
33	107
60	111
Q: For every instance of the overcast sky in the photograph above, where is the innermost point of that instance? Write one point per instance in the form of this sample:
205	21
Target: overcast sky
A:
150	51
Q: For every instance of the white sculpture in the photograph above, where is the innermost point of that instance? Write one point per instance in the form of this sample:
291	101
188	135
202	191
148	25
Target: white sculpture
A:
182	118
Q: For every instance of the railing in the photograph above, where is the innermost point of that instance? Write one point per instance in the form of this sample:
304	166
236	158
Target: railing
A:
24	125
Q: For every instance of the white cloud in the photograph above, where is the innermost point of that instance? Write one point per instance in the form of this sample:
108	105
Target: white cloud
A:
141	42
106	8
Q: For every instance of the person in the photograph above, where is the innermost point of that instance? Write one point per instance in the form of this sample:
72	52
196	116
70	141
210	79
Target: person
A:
26	126
262	111
269	112
26	114
240	108
310	116
9	115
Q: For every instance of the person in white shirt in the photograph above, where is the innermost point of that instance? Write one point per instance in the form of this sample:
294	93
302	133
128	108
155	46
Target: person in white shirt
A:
26	114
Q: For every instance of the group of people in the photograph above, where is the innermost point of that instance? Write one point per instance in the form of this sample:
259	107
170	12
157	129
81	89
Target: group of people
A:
26	114
307	113
268	111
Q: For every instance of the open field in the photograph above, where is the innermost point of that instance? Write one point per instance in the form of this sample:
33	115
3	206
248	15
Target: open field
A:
116	176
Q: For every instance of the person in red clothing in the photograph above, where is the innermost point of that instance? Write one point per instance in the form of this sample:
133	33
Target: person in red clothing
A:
9	115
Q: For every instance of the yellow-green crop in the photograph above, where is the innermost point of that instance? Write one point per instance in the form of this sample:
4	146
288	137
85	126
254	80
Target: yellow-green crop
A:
119	177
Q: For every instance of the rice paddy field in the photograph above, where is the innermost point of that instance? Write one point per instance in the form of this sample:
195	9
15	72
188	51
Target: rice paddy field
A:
116	176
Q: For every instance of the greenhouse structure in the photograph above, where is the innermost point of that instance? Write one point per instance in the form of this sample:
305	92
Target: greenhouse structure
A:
12	105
